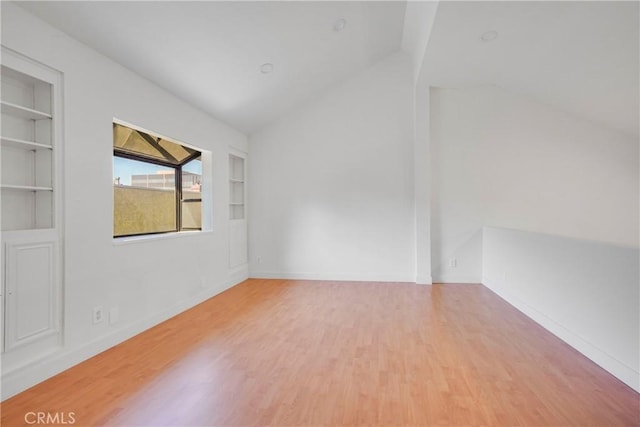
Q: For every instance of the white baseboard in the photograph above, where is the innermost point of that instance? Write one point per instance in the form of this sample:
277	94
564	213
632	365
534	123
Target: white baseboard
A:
424	280
623	372
238	274
28	375
456	278
357	277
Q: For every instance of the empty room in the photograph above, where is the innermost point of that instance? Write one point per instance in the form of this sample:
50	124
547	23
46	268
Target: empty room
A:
306	213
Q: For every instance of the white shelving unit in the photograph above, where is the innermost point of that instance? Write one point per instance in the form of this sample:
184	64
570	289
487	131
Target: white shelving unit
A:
21	111
237	211
236	187
30	151
23	144
25	188
28	158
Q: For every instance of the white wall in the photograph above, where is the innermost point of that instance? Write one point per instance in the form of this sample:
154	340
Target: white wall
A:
332	183
418	23
148	281
422	185
506	161
587	293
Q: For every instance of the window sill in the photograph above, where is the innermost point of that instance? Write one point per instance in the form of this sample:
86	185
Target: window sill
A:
119	241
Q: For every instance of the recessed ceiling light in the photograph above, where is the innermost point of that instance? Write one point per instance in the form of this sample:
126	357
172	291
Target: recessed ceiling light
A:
489	36
339	24
266	68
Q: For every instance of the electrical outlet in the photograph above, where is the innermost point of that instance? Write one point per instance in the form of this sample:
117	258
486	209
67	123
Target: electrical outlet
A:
114	315
259	260
97	314
453	263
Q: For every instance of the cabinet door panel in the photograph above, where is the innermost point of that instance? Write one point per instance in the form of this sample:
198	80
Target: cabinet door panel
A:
30	292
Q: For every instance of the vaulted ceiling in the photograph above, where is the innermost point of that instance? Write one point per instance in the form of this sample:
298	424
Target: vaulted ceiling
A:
580	57
210	53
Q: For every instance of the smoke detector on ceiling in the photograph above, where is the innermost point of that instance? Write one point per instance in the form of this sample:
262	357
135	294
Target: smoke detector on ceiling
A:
339	24
489	36
266	68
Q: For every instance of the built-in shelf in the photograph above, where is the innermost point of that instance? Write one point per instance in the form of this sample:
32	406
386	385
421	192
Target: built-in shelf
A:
28	145
236	187
31	210
237	211
23	112
21	143
25	187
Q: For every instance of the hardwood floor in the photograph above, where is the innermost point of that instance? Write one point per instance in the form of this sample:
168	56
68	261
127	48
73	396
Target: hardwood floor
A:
276	352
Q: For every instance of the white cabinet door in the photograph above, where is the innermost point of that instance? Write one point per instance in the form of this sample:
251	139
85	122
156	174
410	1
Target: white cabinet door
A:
31	292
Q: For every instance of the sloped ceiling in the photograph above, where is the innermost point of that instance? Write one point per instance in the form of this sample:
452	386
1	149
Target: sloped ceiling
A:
580	57
210	53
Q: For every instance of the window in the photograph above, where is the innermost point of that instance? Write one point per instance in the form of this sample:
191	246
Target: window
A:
156	184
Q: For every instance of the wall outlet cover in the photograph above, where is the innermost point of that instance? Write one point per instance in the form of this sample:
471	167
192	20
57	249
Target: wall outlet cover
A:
98	314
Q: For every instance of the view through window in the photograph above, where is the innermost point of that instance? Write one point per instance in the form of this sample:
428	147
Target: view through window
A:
156	184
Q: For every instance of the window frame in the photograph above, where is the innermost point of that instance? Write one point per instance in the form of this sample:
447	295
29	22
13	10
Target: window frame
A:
178	183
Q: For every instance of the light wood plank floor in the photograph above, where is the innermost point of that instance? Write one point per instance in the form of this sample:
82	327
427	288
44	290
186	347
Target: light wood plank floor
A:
276	352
